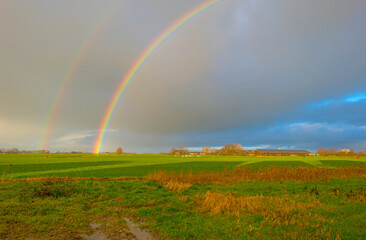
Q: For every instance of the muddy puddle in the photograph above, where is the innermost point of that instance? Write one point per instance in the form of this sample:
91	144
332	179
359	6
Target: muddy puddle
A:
97	235
133	231
141	234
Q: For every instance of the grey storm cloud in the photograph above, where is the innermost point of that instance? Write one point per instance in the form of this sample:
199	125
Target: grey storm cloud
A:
238	65
298	135
225	73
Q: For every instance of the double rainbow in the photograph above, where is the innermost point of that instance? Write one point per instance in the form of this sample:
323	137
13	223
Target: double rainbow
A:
70	74
135	67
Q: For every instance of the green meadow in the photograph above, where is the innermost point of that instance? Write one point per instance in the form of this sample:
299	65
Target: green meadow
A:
322	209
13	166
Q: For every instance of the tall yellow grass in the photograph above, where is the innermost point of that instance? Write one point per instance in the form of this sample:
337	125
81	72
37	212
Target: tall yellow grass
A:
304	174
274	210
177	186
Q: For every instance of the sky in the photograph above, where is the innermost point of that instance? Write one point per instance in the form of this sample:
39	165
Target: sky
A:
265	74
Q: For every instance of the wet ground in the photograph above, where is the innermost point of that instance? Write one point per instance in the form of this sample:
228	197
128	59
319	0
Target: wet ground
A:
133	232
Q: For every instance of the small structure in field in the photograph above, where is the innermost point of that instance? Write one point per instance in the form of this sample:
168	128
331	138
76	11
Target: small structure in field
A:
194	153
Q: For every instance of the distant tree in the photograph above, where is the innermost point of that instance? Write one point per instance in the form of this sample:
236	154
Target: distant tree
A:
245	152
182	151
361	153
240	150
322	151
206	150
12	150
231	149
351	152
341	152
333	151
119	150
256	152
172	151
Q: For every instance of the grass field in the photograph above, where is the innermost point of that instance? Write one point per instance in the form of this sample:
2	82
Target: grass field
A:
186	205
71	165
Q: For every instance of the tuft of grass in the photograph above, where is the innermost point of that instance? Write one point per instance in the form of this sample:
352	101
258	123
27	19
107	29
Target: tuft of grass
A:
359	196
177	186
294	219
275	210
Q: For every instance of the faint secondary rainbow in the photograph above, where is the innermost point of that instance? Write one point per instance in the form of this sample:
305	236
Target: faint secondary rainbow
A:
136	66
70	74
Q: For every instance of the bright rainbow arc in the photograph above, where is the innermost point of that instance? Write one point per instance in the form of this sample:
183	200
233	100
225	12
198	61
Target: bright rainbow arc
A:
113	103
69	76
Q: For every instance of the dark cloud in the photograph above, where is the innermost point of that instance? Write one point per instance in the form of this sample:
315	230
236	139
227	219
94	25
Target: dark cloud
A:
254	70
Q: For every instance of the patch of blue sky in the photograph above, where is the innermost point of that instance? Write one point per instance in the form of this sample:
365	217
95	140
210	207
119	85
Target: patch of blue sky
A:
351	98
356	97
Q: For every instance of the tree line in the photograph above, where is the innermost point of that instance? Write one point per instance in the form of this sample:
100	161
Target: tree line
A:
16	150
226	150
238	150
321	151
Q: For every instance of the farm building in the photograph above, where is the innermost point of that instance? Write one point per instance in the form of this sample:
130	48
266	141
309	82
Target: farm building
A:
280	152
195	153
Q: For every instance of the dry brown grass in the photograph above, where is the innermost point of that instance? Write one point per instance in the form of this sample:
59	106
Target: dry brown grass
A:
275	212
304	174
273	209
356	196
177	186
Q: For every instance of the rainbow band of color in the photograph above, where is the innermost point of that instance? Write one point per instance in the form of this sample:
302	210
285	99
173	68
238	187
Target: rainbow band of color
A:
69	75
109	113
